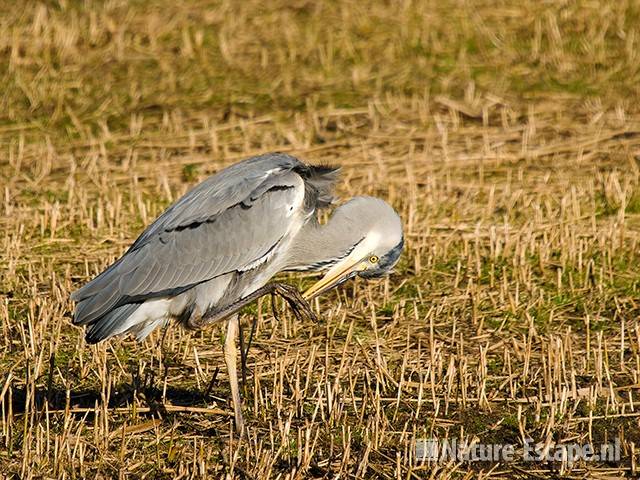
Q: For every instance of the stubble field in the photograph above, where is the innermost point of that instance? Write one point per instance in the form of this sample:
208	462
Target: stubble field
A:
506	134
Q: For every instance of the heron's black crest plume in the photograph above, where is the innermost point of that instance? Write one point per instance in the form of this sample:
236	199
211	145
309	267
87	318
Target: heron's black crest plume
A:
323	179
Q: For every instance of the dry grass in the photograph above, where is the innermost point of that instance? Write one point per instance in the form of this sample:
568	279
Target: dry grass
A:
507	136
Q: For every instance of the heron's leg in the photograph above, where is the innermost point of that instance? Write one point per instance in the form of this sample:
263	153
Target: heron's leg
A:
231	361
291	294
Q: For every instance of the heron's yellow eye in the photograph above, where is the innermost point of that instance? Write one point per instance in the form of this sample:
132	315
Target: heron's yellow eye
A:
373	259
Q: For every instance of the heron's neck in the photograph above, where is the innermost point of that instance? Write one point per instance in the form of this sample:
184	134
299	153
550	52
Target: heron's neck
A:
319	247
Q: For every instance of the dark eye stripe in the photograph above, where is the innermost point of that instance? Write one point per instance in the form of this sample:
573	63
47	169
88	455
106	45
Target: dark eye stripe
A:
392	257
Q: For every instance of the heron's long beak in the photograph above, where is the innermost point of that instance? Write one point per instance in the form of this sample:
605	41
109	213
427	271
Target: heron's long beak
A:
334	276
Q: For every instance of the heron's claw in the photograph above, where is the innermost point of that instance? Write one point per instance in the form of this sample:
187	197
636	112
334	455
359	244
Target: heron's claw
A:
298	304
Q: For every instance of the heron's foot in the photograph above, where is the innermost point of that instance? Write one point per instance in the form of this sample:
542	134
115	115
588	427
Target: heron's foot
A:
298	304
195	323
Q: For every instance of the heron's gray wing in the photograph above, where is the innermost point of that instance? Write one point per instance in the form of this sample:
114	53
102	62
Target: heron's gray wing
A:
189	245
219	192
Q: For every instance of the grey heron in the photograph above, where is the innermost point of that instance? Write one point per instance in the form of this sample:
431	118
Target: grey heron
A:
215	249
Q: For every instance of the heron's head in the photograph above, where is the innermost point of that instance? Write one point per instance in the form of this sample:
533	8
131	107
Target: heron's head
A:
376	242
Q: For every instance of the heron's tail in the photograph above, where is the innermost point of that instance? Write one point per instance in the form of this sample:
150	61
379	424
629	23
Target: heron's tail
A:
110	324
99	306
136	318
